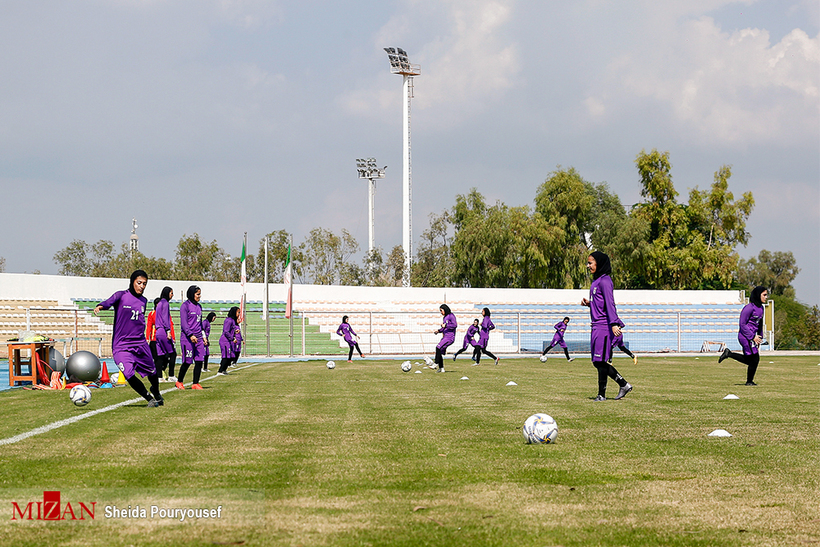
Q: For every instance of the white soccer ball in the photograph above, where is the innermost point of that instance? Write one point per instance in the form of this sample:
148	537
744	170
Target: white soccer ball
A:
540	429
80	395
331	365
543	358
406	366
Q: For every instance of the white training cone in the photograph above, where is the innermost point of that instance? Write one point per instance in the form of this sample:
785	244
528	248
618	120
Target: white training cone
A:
418	372
731	396
511	383
463	378
720	433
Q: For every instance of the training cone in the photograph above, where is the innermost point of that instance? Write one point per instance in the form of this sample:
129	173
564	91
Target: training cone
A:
105	378
121	379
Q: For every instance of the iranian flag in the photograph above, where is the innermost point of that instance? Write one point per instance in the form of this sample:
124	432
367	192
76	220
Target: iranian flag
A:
288	280
242	279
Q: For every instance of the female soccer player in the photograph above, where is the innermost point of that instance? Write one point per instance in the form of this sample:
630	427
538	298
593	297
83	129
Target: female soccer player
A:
128	344
206	331
618	342
484	337
558	340
193	345
469	339
237	346
448	336
750	334
604	318
228	339
346	331
162	324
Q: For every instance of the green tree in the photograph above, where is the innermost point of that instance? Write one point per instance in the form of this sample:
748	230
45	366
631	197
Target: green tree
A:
326	256
433	264
278	243
196	260
774	270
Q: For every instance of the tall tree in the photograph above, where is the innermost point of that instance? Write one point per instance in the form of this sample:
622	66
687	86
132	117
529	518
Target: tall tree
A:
774	270
433	265
327	256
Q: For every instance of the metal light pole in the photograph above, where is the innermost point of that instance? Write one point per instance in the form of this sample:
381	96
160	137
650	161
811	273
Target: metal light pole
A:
367	170
400	64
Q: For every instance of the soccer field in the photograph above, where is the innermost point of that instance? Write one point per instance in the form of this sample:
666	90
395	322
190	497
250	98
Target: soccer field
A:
295	454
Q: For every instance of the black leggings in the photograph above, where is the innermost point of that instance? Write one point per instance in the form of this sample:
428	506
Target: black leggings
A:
479	350
605	370
751	361
183	368
626	350
350	353
566	351
459	352
224	364
137	385
439	360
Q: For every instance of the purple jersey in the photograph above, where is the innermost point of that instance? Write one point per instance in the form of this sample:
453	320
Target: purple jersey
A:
602	310
190	315
346	331
129	320
751	324
448	331
484	336
162	318
468	338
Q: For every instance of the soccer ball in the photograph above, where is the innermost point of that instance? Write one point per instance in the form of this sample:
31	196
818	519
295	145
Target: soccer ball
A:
331	365
406	366
80	395
540	429
543	358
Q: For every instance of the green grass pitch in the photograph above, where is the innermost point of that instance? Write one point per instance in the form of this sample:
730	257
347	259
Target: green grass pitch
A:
296	454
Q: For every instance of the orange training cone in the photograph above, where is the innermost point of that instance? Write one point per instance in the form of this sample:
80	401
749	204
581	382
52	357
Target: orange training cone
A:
105	378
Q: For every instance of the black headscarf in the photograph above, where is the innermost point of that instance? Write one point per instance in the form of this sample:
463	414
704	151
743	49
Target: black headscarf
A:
755	297
233	313
446	309
134	276
486	312
602	265
210	318
192	292
344	319
166	293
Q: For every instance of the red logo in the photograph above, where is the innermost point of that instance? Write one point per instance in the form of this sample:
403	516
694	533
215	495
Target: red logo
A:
52	509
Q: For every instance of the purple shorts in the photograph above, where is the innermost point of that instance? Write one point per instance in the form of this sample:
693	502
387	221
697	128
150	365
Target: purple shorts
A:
618	341
558	340
137	360
600	344
749	347
226	347
446	341
192	352
164	344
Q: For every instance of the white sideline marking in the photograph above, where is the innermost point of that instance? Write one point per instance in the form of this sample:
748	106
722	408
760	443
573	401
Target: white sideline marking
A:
74	419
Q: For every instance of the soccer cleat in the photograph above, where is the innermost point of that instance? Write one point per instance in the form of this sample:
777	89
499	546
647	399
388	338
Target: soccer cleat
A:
440	370
454	357
571	359
599	398
543	358
179	385
349	360
433	366
751	384
623	391
724	355
153	403
634	359
497	359
172	379
196	386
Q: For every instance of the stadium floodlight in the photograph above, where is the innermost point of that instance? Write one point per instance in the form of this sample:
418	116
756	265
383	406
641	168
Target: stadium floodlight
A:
400	64
367	170
134	240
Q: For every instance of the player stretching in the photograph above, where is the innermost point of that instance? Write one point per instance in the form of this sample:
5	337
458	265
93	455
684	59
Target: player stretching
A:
192	341
558	340
128	344
604	319
750	334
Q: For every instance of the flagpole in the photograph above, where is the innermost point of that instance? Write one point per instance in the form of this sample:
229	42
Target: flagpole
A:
267	299
291	299
244	274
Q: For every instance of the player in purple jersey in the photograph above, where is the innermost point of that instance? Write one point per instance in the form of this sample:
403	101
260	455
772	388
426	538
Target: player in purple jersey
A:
346	332
750	334
206	331
484	338
193	345
604	318
618	342
162	324
128	344
448	336
237	345
230	328
469	340
558	340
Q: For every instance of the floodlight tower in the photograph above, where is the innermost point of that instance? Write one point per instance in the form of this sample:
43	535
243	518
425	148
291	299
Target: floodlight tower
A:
134	241
400	64
367	170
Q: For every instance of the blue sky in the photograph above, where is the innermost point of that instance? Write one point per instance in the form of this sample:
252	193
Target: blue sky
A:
226	116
